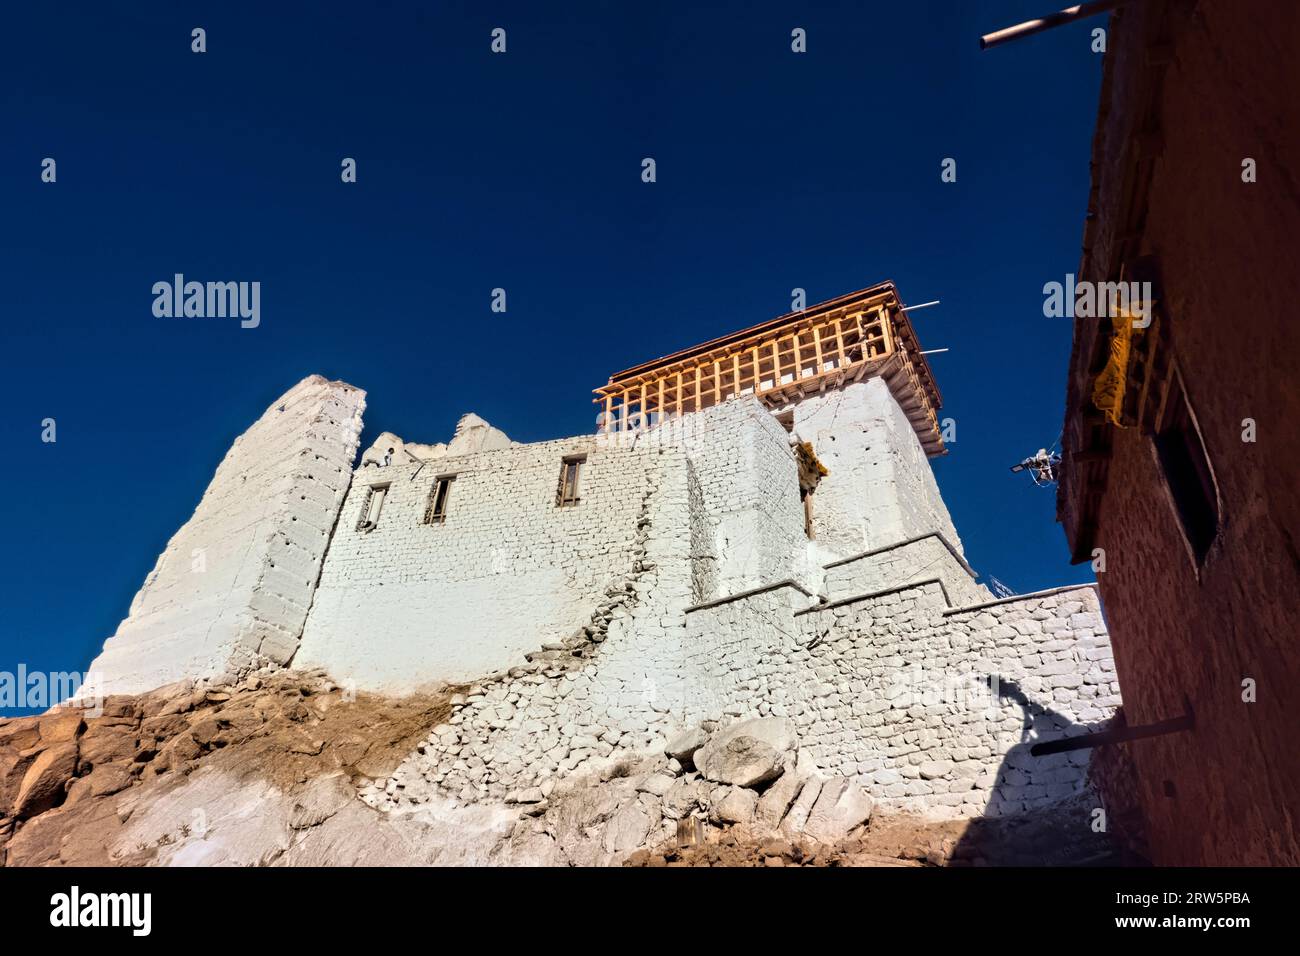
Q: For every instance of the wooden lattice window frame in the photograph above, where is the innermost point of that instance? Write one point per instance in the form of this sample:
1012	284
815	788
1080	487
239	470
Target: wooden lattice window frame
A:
568	493
436	510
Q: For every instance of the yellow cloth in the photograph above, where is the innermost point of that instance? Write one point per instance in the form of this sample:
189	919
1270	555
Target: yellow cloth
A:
810	469
1108	389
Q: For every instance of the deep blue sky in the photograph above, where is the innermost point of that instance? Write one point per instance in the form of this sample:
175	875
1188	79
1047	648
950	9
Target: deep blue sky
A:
521	171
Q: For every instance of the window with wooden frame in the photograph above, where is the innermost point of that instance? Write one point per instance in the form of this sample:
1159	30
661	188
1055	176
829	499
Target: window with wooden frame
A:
567	494
1189	478
371	508
436	511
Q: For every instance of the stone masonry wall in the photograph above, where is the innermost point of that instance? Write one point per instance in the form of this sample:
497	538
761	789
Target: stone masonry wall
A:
889	683
929	556
749	489
233	587
409	604
608	689
893	688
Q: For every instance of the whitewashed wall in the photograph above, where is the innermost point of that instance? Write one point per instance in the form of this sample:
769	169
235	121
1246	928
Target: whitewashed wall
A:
916	559
893	688
408	604
752	519
233	586
880	489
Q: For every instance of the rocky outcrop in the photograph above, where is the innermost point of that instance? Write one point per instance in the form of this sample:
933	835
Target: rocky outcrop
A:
119	784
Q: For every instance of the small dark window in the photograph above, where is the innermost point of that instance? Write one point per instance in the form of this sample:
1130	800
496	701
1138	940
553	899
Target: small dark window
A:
373	505
570	470
1187	472
436	513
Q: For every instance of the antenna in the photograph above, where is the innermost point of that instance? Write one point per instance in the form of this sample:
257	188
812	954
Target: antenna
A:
1043	467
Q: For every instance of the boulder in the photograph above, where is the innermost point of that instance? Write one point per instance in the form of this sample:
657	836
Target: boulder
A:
109	779
736	806
627	829
13	768
797	816
748	752
205	732
656	784
59	727
682	746
43	784
841	807
776	800
108	739
682	797
19	733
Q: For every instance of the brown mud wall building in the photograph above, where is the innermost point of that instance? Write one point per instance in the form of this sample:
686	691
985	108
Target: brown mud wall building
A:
1200	528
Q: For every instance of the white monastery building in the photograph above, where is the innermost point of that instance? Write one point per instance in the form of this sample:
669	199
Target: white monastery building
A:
754	530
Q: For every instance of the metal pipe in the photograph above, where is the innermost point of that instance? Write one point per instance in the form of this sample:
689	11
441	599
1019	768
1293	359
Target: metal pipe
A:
1117	736
923	305
1030	27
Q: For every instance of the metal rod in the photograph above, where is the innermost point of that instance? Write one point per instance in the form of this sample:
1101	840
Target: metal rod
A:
419	461
923	305
1117	736
1030	27
932	351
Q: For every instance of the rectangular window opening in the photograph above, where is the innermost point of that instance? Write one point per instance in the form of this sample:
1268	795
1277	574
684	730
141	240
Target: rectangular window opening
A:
1188	475
436	512
373	505
568	493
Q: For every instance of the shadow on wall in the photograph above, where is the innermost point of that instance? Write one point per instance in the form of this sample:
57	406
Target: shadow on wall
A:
1023	825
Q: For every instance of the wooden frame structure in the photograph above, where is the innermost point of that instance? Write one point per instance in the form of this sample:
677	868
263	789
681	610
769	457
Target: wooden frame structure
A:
783	360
